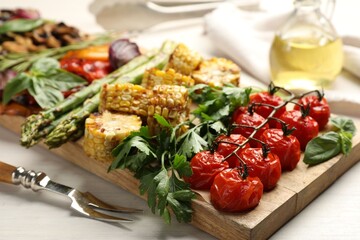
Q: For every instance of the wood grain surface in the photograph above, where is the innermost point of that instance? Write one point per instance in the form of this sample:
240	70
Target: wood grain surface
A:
294	191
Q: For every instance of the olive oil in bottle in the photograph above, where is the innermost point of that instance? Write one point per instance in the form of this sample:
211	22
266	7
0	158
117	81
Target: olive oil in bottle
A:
305	64
306	53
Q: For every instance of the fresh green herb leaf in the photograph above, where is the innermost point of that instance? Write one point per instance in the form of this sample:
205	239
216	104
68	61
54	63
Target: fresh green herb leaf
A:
21	25
161	167
182	209
182	166
322	148
179	199
63	80
346	142
218	104
191	143
126	149
16	85
46	97
146	182
162	121
45	82
45	66
183	195
344	124
218	127
162	182
163	194
151	190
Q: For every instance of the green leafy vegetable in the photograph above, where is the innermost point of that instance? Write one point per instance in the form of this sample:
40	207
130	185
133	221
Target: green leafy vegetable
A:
161	161
330	144
218	104
139	143
21	25
182	166
343	124
45	81
191	143
322	148
15	85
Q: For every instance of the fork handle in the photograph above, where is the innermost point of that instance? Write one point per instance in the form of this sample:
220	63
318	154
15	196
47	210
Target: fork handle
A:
6	172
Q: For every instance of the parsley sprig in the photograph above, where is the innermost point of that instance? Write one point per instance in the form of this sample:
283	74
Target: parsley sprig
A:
161	162
218	103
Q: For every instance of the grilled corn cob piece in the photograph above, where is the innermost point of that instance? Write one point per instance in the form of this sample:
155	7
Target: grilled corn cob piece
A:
154	76
216	72
105	131
170	101
183	60
124	98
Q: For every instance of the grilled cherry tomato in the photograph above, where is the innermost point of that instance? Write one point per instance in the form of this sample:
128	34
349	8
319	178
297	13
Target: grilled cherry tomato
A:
205	166
287	148
237	112
86	68
251	120
319	109
231	193
264	111
306	127
268	168
228	144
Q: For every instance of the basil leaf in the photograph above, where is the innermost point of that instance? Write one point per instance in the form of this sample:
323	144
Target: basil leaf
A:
17	84
64	80
45	82
21	25
346	142
322	148
46	97
45	66
344	124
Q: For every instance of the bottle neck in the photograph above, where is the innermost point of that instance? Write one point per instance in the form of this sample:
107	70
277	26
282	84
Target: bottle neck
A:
307	5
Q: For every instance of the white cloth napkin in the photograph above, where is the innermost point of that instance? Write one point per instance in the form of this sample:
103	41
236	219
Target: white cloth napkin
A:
246	36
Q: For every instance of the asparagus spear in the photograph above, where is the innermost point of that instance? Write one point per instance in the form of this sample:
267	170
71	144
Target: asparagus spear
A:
37	122
70	126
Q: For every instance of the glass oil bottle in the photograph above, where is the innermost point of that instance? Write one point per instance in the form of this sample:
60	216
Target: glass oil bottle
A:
306	53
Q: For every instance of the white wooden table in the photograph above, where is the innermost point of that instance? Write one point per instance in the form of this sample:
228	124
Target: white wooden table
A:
334	214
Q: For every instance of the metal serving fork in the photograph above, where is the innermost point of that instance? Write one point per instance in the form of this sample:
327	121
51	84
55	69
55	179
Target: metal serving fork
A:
84	203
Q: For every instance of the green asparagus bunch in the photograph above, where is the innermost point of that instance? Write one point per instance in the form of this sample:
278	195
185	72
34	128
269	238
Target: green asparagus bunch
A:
66	120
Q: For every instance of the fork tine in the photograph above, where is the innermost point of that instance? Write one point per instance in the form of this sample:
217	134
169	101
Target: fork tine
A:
98	204
89	212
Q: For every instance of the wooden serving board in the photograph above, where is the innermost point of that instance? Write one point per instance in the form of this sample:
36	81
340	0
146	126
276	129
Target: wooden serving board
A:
294	191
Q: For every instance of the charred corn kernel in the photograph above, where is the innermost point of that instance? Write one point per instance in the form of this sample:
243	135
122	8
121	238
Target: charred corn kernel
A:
154	76
124	98
105	131
183	60
216	72
170	101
